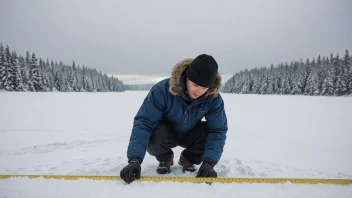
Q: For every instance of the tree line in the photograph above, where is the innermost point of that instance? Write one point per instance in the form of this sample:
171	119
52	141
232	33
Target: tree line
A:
322	76
18	73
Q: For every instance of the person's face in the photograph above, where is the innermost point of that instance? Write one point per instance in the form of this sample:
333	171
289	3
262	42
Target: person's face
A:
194	90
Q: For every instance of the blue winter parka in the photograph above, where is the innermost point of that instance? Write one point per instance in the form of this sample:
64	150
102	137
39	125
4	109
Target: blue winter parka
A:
164	102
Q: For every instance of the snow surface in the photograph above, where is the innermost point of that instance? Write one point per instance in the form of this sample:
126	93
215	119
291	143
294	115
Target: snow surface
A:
88	133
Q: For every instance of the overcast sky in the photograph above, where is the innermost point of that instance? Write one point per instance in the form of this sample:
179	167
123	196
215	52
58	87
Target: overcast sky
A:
146	38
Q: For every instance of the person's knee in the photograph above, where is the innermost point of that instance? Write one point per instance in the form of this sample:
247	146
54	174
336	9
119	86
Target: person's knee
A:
152	150
161	128
161	132
161	138
202	129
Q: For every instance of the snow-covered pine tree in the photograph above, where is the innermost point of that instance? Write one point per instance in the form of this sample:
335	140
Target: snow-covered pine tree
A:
119	85
305	80
350	78
277	83
114	84
107	83
322	73
236	83
340	85
347	61
87	80
28	60
227	88
44	76
47	64
78	76
346	70
313	64
48	75
71	81
51	74
270	89
24	72
94	78
18	76
65	87
339	81
110	83
2	66
297	85
319	62
315	89
349	91
91	80
246	87
284	90
314	85
290	83
84	85
256	85
73	77
57	80
232	87
34	80
100	87
265	85
328	83
9	80
327	61
310	87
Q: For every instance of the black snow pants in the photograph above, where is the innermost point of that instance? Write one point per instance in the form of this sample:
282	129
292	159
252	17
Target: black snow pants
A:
164	138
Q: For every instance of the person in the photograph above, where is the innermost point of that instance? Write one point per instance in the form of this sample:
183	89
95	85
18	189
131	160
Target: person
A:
172	115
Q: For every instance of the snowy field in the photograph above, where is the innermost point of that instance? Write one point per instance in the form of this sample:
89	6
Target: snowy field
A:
88	134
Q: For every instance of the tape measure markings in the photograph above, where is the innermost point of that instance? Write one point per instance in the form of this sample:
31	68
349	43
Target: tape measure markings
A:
193	179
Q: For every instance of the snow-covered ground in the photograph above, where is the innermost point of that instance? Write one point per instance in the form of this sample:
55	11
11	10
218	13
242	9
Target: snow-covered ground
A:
88	134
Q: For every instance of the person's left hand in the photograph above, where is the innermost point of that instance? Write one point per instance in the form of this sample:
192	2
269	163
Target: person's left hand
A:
206	170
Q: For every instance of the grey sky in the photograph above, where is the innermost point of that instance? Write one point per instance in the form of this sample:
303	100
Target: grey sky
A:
149	37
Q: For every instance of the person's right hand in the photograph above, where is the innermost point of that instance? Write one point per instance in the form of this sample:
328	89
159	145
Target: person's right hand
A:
207	170
132	171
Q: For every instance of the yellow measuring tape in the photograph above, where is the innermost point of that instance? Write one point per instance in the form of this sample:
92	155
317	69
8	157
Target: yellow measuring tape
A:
193	179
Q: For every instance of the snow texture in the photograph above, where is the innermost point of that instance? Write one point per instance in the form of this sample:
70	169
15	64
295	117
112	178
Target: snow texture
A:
88	134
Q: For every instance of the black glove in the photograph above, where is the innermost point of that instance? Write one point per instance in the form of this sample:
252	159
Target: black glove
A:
207	170
132	170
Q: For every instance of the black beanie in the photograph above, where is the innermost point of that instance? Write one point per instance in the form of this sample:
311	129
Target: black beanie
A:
203	70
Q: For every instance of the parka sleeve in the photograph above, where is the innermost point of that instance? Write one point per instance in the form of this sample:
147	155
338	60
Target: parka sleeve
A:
216	125
145	121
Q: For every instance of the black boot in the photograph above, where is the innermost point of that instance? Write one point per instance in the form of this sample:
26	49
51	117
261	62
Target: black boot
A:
186	165
164	166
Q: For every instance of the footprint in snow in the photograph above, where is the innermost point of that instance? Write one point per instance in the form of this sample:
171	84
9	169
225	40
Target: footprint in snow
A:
52	169
245	171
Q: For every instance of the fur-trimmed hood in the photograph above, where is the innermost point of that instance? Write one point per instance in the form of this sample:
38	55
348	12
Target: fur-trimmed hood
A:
175	78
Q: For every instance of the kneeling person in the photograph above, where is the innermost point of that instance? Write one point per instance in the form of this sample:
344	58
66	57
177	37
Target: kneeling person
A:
171	115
